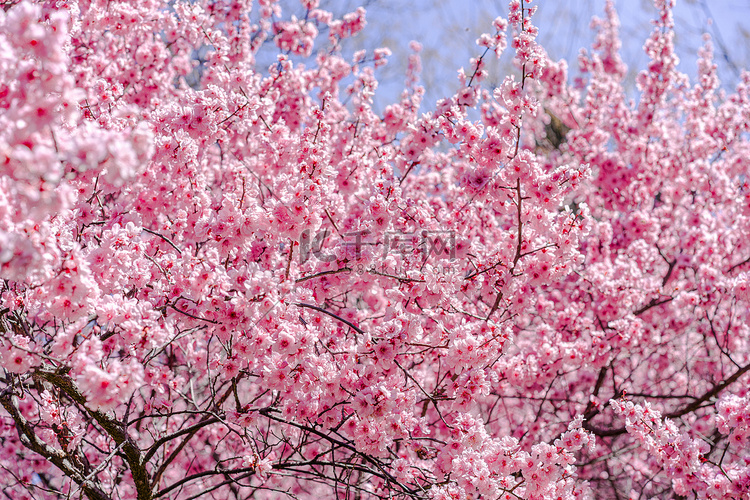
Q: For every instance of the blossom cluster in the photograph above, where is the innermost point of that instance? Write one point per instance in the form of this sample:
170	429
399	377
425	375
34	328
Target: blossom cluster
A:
221	277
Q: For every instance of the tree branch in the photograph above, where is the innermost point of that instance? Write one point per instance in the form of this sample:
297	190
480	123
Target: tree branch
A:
116	430
329	313
59	458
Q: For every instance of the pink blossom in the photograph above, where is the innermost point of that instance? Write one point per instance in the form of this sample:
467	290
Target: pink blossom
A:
242	280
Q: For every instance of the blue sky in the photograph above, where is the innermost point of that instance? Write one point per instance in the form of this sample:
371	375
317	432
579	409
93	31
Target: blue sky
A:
448	28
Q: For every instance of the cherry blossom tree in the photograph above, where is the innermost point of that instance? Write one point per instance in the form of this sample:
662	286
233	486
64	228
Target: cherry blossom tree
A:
225	280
